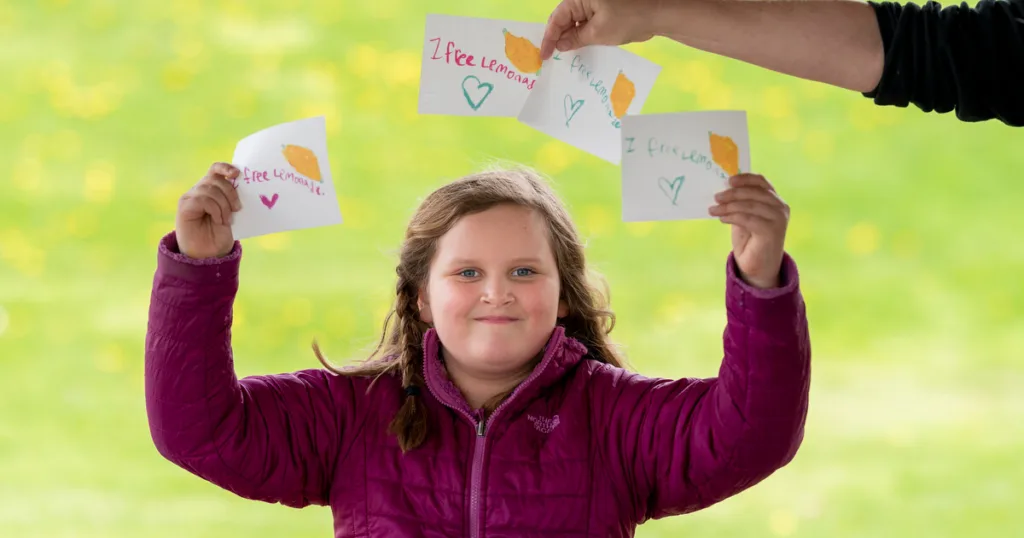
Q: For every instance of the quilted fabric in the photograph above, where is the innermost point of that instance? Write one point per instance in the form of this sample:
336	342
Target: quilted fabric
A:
581	448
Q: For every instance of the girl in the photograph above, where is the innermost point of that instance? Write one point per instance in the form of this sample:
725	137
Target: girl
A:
496	405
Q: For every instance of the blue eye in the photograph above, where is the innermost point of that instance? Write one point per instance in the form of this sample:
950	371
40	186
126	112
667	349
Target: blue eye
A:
523	271
468	273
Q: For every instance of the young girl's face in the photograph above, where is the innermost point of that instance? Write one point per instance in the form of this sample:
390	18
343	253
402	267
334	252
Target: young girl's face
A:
493	290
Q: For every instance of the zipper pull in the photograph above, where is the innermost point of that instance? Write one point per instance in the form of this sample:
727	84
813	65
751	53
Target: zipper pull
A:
480	428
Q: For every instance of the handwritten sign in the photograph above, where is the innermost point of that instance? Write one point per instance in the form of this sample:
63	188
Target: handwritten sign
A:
674	164
478	67
285	181
584	95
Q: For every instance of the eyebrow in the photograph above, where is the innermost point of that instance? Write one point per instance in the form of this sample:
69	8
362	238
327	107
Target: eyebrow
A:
470	261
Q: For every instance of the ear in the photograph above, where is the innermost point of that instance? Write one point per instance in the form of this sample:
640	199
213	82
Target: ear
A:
423	305
563	308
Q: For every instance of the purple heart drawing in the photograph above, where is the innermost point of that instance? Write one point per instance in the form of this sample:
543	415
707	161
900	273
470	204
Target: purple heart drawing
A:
269	202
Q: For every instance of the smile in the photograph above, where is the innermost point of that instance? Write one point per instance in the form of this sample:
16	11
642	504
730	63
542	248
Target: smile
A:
497	320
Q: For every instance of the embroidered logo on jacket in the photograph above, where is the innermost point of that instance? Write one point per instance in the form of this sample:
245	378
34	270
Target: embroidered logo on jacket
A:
543	424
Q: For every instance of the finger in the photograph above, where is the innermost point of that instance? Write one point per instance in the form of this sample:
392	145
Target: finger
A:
211	208
749	193
771	212
190	206
229	190
750	180
560	20
217	195
751	223
223	169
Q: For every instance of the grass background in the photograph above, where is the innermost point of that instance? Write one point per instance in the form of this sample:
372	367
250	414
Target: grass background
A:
906	227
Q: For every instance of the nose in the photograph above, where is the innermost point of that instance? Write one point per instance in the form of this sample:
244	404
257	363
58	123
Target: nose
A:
497	291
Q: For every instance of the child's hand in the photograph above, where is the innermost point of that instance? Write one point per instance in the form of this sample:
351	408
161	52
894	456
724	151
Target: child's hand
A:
203	222
759	219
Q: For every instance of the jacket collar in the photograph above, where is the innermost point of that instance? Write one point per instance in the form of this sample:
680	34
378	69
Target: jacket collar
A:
561	353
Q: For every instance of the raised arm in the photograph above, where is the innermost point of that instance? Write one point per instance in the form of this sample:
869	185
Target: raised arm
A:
937	58
836	42
689	443
272	438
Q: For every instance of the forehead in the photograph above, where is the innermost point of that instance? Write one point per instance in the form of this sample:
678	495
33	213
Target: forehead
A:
501	232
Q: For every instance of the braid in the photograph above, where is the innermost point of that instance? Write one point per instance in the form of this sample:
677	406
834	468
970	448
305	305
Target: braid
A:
410	423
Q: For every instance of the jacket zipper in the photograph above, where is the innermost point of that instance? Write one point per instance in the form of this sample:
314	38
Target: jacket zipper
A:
476	478
476	472
479	446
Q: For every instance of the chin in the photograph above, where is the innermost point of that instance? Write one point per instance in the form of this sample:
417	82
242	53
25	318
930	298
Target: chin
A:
502	355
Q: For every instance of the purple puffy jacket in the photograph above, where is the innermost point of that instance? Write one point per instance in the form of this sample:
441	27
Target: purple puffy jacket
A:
581	448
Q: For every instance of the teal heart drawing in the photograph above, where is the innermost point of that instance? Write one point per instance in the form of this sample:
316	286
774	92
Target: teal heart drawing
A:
476	95
671	188
571	108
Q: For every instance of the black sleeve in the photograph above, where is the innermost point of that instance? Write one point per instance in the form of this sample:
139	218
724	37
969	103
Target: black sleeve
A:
970	59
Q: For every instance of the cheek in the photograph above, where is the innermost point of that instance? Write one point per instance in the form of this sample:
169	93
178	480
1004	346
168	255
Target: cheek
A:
542	301
454	300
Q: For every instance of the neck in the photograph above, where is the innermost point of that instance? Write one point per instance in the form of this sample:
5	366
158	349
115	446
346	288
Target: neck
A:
479	389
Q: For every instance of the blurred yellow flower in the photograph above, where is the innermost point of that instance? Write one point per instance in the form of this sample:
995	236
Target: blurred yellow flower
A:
402	67
554	156
99	182
715	96
697	77
28	176
357	214
340	321
23	253
596	221
238	314
862	238
109	359
5	320
273	242
364	61
776	102
640	229
177	75
787	129
675	308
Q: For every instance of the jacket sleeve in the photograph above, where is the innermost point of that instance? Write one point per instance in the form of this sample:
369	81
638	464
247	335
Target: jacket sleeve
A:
689	443
954	57
273	438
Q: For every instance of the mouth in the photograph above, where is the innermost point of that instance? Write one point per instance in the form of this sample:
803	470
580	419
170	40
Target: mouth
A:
497	320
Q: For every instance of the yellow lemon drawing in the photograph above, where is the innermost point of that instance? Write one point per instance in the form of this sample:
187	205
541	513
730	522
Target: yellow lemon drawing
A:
522	53
303	160
725	153
623	92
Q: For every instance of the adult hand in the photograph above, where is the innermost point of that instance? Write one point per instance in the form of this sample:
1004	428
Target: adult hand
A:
578	23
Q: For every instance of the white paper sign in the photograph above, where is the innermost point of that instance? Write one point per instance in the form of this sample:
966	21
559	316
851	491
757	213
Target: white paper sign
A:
478	67
584	94
674	164
285	181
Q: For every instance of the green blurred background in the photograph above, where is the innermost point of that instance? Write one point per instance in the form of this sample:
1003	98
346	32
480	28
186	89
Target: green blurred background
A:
906	228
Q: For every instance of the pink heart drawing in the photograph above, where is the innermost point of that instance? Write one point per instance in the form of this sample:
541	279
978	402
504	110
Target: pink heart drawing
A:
269	202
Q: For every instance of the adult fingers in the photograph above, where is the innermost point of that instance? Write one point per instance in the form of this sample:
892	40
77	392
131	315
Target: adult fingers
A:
560	22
